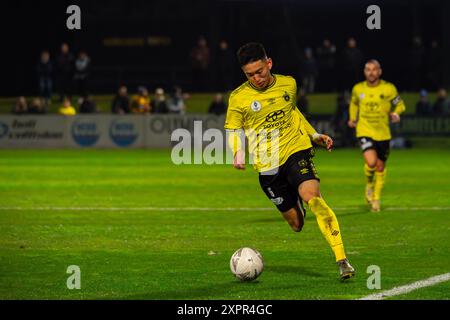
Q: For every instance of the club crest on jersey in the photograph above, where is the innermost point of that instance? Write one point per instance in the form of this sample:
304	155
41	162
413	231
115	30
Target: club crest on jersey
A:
255	105
286	96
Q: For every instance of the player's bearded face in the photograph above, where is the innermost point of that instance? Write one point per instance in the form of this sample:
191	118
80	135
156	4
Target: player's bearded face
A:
258	72
372	72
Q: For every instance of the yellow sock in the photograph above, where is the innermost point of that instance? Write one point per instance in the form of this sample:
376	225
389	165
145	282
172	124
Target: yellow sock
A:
370	173
328	225
380	177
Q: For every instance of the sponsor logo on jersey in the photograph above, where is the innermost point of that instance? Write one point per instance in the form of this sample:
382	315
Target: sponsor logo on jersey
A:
275	116
255	105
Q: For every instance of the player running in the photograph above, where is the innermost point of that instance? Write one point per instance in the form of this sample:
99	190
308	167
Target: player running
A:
370	111
264	107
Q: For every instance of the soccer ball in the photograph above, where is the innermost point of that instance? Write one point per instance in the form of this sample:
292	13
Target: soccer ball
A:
246	264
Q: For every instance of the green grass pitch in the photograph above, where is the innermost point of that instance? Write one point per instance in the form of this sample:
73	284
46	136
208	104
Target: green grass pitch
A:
99	210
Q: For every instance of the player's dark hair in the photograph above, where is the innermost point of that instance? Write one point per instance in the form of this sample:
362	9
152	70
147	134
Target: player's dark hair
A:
251	52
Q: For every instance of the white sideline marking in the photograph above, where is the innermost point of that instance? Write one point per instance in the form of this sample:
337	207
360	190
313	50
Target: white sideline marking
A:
269	208
408	288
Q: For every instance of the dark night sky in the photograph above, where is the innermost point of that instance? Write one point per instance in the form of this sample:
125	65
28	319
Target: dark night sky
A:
285	27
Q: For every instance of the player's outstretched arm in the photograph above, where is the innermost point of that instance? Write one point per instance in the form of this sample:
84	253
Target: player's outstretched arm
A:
235	144
323	140
353	109
239	160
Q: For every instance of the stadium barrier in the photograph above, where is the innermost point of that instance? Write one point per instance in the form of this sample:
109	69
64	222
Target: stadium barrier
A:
152	131
98	131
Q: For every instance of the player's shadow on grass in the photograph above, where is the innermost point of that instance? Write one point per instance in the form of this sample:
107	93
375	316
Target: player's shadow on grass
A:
215	291
359	210
298	270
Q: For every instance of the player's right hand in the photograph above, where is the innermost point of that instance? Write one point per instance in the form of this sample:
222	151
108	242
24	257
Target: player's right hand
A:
239	160
351	123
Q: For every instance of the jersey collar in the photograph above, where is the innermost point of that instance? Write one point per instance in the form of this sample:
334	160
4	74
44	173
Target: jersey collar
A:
264	89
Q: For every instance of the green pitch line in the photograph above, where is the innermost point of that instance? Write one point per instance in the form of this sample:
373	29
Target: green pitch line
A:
184	254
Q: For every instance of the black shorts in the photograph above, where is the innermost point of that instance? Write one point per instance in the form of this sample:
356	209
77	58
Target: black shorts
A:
282	187
382	148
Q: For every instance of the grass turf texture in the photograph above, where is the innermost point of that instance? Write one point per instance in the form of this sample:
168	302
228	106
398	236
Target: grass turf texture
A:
151	254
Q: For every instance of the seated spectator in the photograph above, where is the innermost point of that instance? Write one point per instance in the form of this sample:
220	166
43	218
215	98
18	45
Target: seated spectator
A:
21	106
67	109
218	105
37	106
121	102
87	105
176	102
423	106
159	103
141	102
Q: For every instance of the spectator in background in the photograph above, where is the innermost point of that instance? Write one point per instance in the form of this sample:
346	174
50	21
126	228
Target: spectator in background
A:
44	70
326	58
37	106
64	72
67	109
218	105
81	76
423	106
308	71
416	64
159	102
344	133
433	66
442	104
352	63
121	102
141	102
225	67
302	102
200	59
87	105
176	102
21	106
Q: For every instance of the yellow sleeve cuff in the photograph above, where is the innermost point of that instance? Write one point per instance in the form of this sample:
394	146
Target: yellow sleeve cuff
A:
234	140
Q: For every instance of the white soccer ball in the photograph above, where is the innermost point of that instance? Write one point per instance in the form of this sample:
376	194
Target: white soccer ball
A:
246	264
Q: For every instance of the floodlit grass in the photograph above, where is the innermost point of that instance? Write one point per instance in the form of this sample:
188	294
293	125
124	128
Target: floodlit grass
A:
49	220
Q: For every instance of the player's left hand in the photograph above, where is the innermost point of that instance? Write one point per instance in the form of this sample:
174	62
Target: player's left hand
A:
395	117
325	141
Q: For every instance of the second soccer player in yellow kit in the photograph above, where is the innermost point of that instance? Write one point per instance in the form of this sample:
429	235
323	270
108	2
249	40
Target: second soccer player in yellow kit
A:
264	107
374	103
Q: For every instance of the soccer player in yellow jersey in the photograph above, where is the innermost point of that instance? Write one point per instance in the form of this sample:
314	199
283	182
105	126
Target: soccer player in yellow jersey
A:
264	108
374	103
